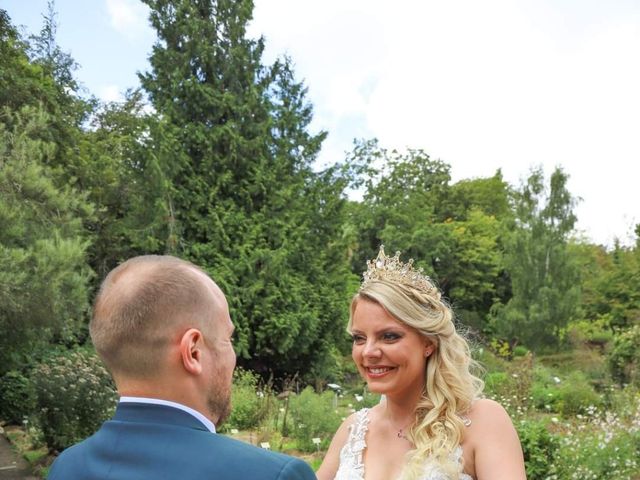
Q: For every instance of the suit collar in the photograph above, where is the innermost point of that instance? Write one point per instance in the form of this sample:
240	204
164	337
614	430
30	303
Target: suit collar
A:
151	413
169	403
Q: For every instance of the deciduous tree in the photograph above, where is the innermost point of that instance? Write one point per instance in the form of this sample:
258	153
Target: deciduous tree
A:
544	276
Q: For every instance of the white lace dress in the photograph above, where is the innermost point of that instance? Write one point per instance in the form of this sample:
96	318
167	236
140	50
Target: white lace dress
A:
351	466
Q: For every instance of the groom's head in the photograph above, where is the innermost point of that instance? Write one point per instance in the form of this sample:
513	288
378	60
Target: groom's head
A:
162	328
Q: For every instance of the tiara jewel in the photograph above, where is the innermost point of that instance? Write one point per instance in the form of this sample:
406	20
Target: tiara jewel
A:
393	270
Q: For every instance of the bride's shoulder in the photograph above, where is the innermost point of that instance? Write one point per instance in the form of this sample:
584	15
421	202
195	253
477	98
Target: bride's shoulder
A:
487	417
485	404
356	417
485	409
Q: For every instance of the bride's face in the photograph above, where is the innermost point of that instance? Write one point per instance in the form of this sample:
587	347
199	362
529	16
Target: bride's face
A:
390	355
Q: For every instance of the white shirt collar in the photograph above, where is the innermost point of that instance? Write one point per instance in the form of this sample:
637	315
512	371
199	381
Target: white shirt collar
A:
167	403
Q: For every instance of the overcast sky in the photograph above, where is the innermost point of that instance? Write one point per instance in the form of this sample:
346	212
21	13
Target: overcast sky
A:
479	85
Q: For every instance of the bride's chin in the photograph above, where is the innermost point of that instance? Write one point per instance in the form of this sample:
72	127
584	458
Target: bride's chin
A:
376	388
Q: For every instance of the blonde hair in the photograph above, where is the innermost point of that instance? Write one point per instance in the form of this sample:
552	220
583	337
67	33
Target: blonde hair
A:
450	386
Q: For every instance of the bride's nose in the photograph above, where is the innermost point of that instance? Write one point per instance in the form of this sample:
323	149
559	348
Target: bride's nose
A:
371	349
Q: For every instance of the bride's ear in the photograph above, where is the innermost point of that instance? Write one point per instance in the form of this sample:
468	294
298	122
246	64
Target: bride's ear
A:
429	347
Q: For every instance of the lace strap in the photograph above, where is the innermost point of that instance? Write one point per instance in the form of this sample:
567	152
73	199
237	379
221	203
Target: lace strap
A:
358	430
351	466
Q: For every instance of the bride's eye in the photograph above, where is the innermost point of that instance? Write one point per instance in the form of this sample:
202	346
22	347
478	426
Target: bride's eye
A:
358	339
391	336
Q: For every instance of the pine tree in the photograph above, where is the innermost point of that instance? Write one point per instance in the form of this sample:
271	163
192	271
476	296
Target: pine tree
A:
43	274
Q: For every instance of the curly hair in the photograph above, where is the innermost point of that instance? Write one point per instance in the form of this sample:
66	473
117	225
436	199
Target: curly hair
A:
450	385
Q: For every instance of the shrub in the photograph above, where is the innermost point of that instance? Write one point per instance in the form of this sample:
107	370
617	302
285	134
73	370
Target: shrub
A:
576	395
540	448
499	384
489	361
569	396
624	358
74	395
545	397
520	351
314	416
250	403
500	348
596	332
17	397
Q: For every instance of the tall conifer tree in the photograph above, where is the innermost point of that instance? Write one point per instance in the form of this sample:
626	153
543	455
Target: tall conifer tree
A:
245	201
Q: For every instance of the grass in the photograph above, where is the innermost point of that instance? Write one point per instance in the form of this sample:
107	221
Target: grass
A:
35	456
26	444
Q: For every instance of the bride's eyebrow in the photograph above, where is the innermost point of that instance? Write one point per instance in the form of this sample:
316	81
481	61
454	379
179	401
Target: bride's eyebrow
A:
382	331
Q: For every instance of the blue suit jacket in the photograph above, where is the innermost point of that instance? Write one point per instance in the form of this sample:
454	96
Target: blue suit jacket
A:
145	441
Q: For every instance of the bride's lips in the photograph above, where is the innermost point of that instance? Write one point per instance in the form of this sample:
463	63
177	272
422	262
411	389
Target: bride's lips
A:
377	371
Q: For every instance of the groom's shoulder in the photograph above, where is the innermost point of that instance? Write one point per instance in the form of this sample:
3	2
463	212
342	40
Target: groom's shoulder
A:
264	463
195	453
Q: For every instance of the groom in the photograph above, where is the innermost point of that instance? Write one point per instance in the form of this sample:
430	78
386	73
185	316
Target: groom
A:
162	328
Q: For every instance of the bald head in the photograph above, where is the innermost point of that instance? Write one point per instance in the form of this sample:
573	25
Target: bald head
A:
143	305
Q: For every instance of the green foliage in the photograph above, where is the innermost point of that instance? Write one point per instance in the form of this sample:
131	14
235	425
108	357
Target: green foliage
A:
118	168
245	202
474	262
332	368
607	445
75	395
17	397
597	332
501	348
490	361
369	400
589	361
251	405
544	397
576	395
544	276
452	232
313	416
520	351
624	358
43	275
499	384
570	396
612	285
540	449
37	75
491	196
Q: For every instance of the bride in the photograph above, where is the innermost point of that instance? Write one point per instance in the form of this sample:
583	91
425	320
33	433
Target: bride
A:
432	425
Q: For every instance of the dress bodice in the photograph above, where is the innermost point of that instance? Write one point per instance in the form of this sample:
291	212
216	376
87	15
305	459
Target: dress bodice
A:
351	465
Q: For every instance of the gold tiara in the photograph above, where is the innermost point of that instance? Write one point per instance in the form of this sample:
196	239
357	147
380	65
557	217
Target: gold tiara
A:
393	270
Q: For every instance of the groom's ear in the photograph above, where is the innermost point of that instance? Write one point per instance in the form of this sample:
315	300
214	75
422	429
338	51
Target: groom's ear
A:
191	345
